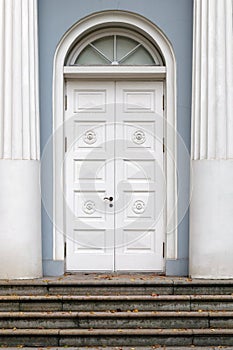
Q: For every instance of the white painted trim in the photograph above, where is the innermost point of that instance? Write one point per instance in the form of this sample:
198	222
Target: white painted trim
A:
155	73
155	35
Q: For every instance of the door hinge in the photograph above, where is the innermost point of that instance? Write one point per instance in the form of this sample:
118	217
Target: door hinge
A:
163	102
163	249
65	144
163	145
65	249
65	102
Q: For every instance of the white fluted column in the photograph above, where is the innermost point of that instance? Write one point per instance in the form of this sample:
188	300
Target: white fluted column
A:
20	211
211	211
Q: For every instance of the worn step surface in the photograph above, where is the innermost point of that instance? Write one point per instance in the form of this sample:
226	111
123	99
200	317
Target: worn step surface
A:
101	310
117	303
126	320
193	347
116	337
97	284
111	320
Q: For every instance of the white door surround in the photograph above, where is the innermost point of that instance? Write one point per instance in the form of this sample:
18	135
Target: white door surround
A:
114	176
167	73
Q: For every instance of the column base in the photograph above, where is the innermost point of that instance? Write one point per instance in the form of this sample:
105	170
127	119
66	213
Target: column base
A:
211	220
20	219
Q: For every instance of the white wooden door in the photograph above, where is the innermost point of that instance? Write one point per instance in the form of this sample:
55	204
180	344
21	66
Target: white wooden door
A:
89	178
114	134
139	176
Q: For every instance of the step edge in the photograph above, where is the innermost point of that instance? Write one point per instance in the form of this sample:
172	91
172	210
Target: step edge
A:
109	314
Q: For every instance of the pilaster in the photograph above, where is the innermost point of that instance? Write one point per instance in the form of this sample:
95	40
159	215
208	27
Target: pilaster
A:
20	223
211	211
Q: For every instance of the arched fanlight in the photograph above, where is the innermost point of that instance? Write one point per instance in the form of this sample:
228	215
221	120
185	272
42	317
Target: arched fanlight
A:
115	49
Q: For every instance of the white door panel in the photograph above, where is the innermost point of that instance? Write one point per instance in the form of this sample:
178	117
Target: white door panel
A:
113	151
89	176
139	157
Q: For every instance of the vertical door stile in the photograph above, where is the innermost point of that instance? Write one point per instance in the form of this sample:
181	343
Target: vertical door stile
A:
115	165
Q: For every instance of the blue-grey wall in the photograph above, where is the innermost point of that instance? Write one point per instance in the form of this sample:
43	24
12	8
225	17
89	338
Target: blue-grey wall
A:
174	17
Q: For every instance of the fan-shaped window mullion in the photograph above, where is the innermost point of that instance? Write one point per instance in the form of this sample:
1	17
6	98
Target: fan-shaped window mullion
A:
100	53
131	52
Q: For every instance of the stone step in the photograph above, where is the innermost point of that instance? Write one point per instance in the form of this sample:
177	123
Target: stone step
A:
116	302
192	347
91	287
110	286
116	311
115	337
112	320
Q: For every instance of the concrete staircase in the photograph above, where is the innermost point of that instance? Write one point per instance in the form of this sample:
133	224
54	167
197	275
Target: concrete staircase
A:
103	310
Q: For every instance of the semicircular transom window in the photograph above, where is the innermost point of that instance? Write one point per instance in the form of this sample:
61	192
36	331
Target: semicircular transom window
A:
115	50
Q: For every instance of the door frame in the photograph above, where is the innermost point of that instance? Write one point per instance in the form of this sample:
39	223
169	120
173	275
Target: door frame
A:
166	74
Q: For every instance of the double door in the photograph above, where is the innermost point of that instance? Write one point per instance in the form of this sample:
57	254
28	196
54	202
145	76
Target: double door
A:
114	176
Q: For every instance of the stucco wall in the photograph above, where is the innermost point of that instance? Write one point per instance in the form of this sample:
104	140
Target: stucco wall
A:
174	18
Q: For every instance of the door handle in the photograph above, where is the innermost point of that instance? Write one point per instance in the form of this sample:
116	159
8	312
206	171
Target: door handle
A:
110	199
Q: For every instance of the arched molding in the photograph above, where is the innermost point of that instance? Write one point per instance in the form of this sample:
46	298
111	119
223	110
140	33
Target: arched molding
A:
143	26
